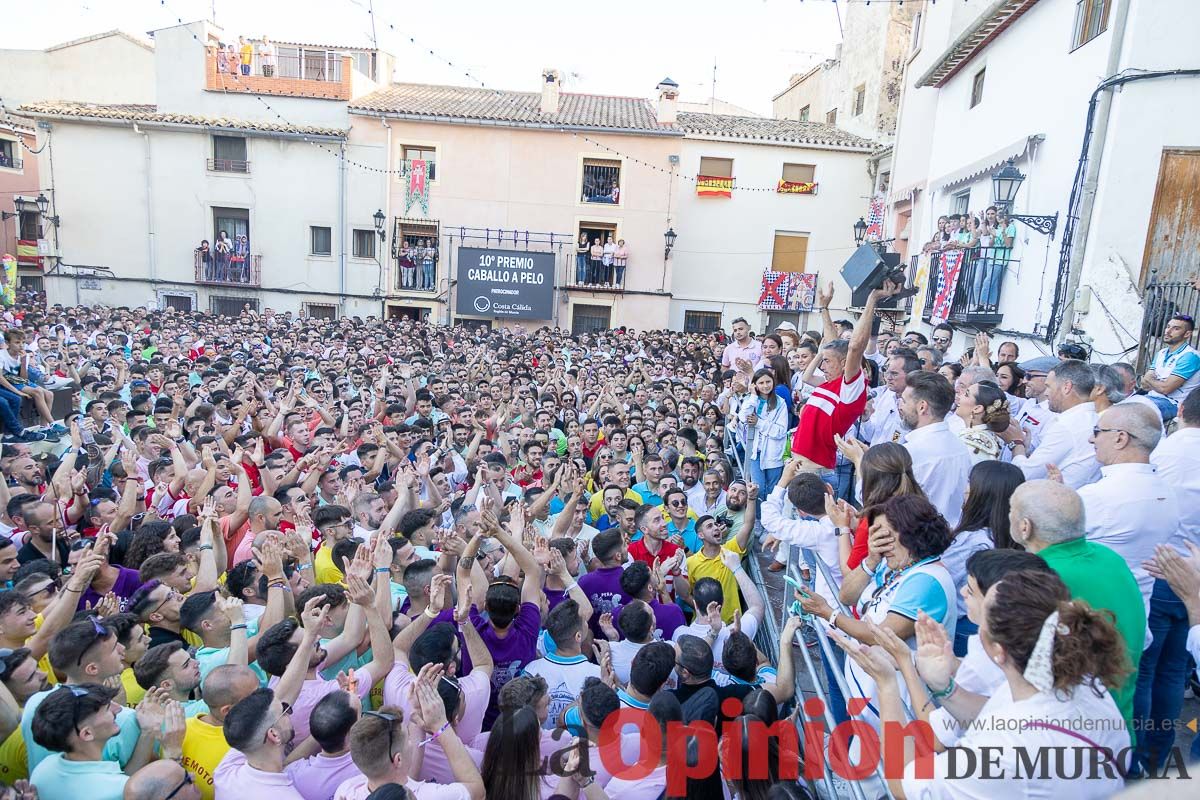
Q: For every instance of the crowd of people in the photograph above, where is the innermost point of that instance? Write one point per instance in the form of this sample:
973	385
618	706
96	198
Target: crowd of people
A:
987	244
386	559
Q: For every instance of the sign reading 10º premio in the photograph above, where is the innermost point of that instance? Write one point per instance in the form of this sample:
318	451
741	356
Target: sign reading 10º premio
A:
514	284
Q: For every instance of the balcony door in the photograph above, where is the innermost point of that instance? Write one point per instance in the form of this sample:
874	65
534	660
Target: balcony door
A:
234	222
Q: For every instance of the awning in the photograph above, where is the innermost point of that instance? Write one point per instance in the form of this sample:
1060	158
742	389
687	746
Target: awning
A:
1015	151
905	193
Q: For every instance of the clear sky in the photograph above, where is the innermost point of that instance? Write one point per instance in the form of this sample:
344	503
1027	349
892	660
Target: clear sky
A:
622	47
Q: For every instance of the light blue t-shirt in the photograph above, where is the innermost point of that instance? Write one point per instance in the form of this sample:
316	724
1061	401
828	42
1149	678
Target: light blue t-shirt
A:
56	778
210	658
648	497
920	592
119	748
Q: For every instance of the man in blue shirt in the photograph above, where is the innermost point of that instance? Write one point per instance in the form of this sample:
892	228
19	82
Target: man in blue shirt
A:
1175	371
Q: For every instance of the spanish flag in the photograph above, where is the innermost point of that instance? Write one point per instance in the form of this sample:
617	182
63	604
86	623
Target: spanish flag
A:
709	186
796	187
27	253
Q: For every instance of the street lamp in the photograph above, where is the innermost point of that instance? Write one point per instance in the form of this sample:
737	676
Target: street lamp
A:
670	237
379	220
43	206
1005	185
860	231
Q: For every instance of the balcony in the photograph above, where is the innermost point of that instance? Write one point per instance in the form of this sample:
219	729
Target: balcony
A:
228	165
972	294
213	270
312	73
595	278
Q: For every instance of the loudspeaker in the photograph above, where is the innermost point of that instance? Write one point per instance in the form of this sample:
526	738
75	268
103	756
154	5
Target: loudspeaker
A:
864	271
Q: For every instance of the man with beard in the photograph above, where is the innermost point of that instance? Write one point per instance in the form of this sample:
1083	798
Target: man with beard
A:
735	504
286	643
885	424
259	729
1175	371
173	668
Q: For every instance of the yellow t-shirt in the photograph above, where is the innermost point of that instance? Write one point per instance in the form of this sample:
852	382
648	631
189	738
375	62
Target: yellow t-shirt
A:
44	662
325	571
204	746
700	566
14	758
596	509
133	691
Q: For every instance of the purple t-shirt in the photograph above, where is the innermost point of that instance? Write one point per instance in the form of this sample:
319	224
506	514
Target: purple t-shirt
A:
603	590
126	584
511	654
553	598
667	617
446	615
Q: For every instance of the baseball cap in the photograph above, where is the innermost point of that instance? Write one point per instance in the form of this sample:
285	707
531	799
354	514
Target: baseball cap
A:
1042	364
786	326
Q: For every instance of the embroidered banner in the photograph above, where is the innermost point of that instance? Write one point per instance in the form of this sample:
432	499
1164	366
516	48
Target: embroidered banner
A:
416	186
947	283
804	292
796	187
875	218
775	289
709	186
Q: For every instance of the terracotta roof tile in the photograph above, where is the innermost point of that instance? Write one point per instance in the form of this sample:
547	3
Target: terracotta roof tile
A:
519	108
771	130
149	113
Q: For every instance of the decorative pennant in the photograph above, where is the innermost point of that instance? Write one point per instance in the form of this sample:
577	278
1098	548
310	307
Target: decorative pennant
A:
710	186
416	186
947	284
796	187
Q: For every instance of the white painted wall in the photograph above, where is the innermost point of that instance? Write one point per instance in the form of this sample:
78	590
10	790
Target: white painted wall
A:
725	244
292	185
111	69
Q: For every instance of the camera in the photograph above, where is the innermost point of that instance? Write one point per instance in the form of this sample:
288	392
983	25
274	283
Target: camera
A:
896	275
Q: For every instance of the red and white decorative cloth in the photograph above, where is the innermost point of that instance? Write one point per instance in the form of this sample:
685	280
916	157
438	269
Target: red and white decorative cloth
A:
947	282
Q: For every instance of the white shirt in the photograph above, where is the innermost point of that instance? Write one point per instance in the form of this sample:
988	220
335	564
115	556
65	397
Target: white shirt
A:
622	657
1006	727
700	629
564	681
941	465
978	674
1035	418
1066	444
1131	509
885	424
820	536
1177	464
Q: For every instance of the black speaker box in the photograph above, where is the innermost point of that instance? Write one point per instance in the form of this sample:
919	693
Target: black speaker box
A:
864	272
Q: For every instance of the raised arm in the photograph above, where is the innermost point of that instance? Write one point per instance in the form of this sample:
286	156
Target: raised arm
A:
862	329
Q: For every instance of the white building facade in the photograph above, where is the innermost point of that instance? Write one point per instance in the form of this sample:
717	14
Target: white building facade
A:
990	82
726	243
137	188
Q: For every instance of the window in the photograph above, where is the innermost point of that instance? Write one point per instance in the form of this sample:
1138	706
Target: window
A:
831	117
1091	20
321	239
320	311
30	225
235	222
716	167
804	112
589	319
312	65
364	63
977	88
960	203
701	321
229	154
916	32
799	173
9	151
364	243
232	306
860	99
178	302
413	241
790	252
419	153
601	181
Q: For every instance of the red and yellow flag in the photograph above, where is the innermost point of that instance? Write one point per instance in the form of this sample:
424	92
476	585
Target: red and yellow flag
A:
711	186
796	187
27	253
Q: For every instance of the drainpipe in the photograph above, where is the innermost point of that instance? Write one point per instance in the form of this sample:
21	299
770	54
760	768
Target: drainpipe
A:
387	216
1092	178
149	206
341	194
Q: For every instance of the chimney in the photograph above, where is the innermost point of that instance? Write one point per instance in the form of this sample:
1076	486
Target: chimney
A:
550	88
668	95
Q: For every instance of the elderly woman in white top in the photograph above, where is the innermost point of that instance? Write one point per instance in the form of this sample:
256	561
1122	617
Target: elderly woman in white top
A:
1058	657
763	427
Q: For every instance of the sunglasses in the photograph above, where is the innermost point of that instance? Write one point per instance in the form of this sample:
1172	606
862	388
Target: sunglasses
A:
678	503
187	781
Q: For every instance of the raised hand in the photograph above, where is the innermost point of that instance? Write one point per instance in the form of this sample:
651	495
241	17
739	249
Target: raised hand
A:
936	662
874	660
607	628
824	298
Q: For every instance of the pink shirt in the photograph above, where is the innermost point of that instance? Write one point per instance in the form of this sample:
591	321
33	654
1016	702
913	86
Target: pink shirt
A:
316	688
356	789
235	778
319	776
647	788
476	689
752	352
